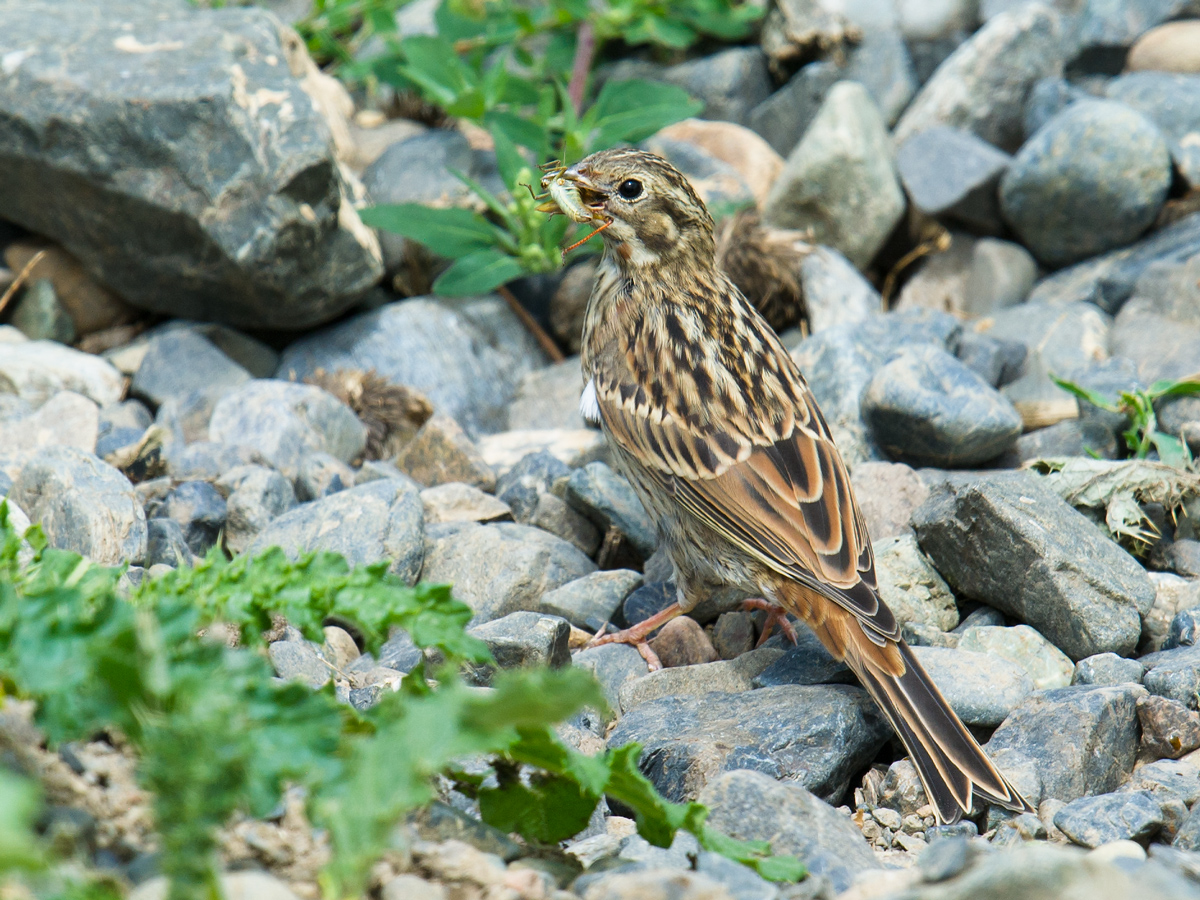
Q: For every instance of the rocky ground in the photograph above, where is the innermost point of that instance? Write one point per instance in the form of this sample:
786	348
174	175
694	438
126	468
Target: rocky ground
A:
1041	162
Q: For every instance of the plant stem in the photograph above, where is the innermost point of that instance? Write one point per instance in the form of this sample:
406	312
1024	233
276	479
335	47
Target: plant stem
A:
585	51
544	340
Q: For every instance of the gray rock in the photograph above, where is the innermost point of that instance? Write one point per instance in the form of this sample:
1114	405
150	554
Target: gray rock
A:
1188	836
910	586
257	496
1047	99
928	408
953	174
887	494
982	86
1044	663
671	882
1092	821
1102	32
207	460
1108	378
808	662
1082	740
165	544
715	181
458	502
996	362
1171	289
725	676
1059	338
1172	595
647	600
1002	275
502	568
1160	347
83	505
555	516
37	370
532	476
283	422
247	219
981	689
840	361
399	652
608	501
749	805
40	316
549	398
181	361
817	736
467	358
322	474
730	83
1184	629
1171	673
200	511
379	470
880	62
1091	179
377	521
1058	572
613	665
840	180
1108	668
1172	102
1072	437
526	638
299	661
834	291
1109	280
1169	729
1167	778
733	634
66	420
592	600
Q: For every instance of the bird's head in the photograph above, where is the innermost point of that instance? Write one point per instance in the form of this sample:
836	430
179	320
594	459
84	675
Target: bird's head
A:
649	214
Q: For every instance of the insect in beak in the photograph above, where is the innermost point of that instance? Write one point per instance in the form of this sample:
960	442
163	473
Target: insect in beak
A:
567	194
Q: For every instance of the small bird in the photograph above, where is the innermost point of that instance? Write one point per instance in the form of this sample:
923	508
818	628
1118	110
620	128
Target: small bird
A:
710	420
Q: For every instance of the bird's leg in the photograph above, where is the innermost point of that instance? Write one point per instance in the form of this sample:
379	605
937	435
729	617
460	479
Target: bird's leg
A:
638	635
776	615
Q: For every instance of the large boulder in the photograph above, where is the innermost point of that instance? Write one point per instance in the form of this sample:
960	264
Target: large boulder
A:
175	152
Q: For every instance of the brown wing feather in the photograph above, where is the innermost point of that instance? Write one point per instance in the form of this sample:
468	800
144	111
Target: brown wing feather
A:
786	500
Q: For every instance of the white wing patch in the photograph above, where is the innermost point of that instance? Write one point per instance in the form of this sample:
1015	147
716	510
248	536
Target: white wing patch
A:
589	406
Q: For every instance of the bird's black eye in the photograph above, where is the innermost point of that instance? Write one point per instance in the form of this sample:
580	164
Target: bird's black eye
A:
630	189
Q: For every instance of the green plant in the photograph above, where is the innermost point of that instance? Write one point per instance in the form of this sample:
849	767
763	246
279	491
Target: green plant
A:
1143	435
216	734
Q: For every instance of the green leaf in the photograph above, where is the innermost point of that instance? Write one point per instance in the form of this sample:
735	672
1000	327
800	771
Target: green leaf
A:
517	130
19	802
1171	450
631	111
452	233
551	809
432	63
1085	394
477	273
1167	388
513	167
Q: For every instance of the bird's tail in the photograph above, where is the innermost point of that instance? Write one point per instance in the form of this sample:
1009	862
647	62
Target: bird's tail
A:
953	767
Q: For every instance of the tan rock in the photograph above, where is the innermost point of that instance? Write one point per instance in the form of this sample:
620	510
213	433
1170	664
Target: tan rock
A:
441	453
682	642
458	502
752	157
1174	47
91	306
574	446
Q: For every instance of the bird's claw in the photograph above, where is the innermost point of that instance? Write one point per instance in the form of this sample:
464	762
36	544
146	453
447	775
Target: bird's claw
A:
776	615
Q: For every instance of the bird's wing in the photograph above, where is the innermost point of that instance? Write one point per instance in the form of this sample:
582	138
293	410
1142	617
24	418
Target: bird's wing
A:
769	480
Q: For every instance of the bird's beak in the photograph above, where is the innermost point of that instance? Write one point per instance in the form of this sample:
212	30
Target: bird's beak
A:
573	194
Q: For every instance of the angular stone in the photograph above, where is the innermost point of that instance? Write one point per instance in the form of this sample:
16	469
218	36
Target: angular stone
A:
982	86
40	316
1169	729
502	568
533	475
609	502
840	179
834	291
910	586
730	83
299	661
321	475
466	358
817	736
808	662
717	183
91	306
1082	740
1059	574
1049	194
750	157
83	505
1172	102
247	219
887	494
1002	275
555	516
442	453
37	370
980	688
65	420
750	805
927	407
1021	645
592	600
284	421
1174	674
678	884
1092	821
526	638
1108	668
953	174
614	666
733	634
458	502
257	495
200	510
730	676
549	398
165	544
1167	778
381	520
181	361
